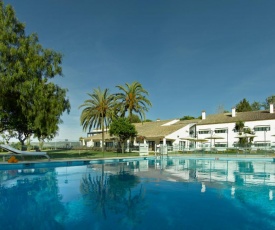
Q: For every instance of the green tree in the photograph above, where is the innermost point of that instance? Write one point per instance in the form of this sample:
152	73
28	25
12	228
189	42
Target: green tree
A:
123	129
187	118
46	115
243	106
135	119
269	100
255	106
133	99
8	135
98	111
25	68
239	126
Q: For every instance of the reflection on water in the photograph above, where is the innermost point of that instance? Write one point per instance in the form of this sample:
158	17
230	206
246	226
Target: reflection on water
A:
113	192
27	196
158	193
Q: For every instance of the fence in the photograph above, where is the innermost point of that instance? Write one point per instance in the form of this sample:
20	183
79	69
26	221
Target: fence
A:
57	144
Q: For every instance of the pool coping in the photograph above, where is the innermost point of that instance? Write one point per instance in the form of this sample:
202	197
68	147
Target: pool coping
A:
81	162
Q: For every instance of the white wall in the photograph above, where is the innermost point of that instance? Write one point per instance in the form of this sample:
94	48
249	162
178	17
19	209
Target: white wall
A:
230	136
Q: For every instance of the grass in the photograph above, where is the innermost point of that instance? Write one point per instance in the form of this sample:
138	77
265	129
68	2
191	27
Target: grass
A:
73	154
89	154
86	154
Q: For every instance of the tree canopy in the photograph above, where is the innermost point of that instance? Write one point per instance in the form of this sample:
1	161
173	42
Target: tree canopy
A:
104	109
187	118
135	119
243	106
98	111
239	126
241	129
133	99
123	129
269	100
29	103
255	106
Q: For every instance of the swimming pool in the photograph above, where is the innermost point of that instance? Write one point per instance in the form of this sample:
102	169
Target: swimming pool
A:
149	193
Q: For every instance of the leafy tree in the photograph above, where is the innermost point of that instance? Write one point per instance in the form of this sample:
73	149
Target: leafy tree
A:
187	118
8	135
135	119
122	128
255	106
46	117
133	99
98	111
239	126
25	68
269	100
243	106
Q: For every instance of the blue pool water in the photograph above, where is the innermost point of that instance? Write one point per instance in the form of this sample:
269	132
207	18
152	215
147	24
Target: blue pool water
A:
165	193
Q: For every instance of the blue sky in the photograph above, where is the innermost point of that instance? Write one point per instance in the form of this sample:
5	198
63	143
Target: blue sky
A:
190	55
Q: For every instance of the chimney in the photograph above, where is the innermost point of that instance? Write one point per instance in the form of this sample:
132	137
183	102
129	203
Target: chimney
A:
233	112
271	109
203	115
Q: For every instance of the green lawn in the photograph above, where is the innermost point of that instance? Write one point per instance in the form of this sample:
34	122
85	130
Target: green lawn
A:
73	154
85	154
90	154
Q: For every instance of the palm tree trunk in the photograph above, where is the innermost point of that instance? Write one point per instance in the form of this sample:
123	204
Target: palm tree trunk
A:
103	138
122	146
130	114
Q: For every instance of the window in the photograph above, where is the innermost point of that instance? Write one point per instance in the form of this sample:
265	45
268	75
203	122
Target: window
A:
262	144
182	144
97	144
245	129
204	131
220	130
220	144
168	143
109	144
262	128
151	144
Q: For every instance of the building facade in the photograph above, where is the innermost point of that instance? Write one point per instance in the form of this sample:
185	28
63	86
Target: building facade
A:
215	130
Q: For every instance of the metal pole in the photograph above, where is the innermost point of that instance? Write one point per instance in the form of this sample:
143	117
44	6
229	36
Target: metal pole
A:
265	137
227	140
265	141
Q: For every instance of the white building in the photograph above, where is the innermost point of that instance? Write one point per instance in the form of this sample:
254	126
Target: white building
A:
261	122
218	130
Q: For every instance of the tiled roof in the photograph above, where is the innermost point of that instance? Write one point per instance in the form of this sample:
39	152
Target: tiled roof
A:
159	129
154	129
240	116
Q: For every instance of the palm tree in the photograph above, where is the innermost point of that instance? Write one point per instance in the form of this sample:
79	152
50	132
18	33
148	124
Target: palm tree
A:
133	99
98	111
239	126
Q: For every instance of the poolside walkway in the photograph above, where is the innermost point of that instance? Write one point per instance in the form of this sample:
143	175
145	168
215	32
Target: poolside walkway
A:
243	157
